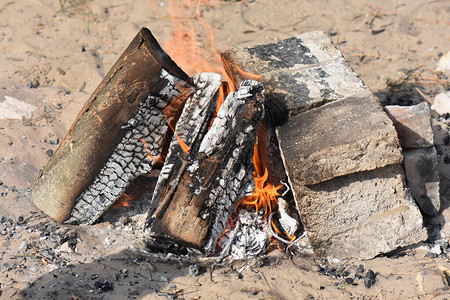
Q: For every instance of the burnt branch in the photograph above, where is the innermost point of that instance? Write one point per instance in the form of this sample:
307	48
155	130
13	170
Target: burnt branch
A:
213	177
135	155
142	71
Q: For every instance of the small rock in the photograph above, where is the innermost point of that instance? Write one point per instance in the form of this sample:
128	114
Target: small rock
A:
348	280
369	279
194	270
49	152
444	64
20	220
12	108
360	269
442	103
431	281
104	285
60	71
163	279
23	247
65	248
436	249
109	241
412	124
421	169
431	255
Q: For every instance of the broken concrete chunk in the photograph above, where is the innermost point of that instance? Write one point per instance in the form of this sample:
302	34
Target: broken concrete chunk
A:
360	215
423	178
301	72
412	124
432	281
336	139
12	108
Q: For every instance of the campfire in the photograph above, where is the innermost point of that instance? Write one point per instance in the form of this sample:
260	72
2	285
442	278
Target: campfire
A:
206	146
287	141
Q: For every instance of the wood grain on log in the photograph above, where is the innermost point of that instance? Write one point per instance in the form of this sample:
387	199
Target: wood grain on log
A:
143	71
137	153
213	176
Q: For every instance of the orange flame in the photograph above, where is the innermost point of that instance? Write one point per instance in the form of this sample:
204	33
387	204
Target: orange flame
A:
265	194
187	51
154	158
123	201
173	111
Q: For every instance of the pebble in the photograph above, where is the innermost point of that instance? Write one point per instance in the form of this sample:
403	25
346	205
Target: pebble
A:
441	103
20	220
360	269
194	270
23	247
436	249
49	152
431	255
163	278
349	280
104	285
369	279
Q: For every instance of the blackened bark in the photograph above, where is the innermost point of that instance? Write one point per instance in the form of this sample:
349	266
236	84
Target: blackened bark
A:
143	71
213	177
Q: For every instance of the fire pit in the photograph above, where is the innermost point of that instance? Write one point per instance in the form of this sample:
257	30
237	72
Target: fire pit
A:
207	154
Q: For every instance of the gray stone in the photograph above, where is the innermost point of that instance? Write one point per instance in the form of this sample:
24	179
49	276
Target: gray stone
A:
423	178
432	281
413	124
360	215
303	71
338	138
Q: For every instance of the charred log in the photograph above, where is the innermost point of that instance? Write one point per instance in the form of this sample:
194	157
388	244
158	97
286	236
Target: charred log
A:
137	153
215	174
142	78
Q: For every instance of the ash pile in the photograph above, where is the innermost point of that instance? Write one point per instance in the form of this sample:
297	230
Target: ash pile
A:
294	153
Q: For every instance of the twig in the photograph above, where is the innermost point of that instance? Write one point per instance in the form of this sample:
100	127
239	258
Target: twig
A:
430	101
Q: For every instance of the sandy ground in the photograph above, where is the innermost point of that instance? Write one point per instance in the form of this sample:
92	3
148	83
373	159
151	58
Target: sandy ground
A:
53	54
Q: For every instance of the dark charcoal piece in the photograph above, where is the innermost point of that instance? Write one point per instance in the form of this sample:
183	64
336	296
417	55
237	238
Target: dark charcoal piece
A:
20	220
369	279
360	269
348	280
104	285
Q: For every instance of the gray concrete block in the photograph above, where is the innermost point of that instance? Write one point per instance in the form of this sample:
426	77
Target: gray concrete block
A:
337	139
413	124
422	175
302	72
360	215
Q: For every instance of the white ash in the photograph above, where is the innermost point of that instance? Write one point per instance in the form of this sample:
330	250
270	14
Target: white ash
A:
129	160
287	223
188	126
250	236
135	155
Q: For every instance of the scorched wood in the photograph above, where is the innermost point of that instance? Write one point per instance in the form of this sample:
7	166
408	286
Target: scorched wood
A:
189	131
212	177
144	77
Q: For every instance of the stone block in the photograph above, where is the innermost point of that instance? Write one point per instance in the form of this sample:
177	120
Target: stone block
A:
413	125
432	281
423	178
360	215
337	139
302	72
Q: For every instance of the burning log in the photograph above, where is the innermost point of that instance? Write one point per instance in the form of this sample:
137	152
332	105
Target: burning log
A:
140	84
212	176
